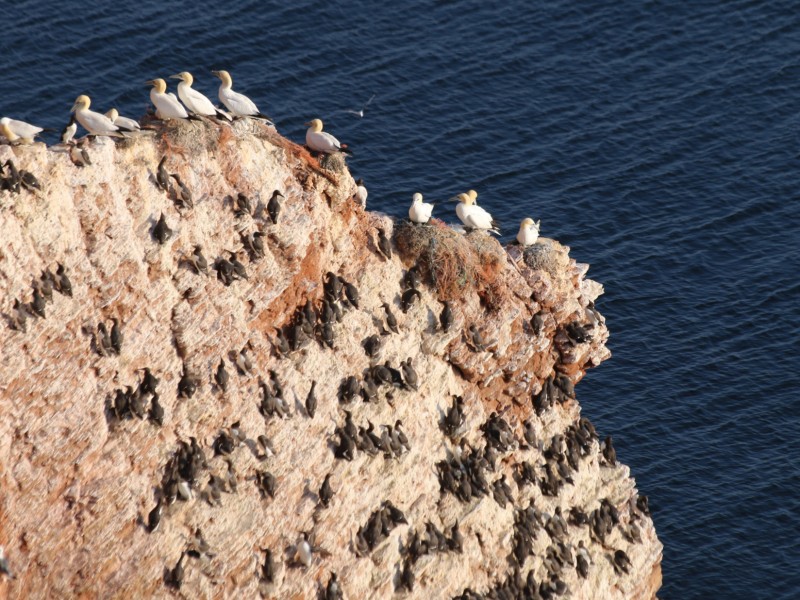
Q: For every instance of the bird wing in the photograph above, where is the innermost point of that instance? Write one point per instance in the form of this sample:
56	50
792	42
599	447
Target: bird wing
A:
167	106
196	101
237	103
126	123
23	129
96	123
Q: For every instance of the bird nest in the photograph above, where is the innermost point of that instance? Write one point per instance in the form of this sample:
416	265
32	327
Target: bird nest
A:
452	262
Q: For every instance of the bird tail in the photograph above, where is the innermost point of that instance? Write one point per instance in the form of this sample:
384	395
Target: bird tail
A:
345	149
495	228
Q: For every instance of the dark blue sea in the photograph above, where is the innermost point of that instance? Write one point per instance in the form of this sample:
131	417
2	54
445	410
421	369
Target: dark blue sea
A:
659	140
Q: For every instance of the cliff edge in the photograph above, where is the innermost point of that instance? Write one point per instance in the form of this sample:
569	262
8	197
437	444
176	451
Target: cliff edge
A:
459	464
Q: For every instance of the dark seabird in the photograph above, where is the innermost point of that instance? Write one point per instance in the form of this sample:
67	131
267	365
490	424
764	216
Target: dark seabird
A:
243	206
408	298
254	242
224	271
391	320
29	181
537	323
333	287
161	231
183	195
137	404
156	411
621	562
446	317
268	568
409	374
411	278
198	261
384	245
326	334
238	268
69	130
311	401
162	177
45	287
243	362
274	207
280	343
116	336
14	179
407	577
326	491
351	293
103	340
266	447
609	453
5	569
332	590
476	339
187	385
175	576
154	518
265	481
18	317
63	284
530	433
221	376
372	346
38	303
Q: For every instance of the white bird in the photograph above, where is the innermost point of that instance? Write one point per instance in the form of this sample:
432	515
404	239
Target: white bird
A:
419	212
69	131
239	104
123	122
94	122
167	105
18	131
473	216
320	141
195	101
360	113
361	192
528	232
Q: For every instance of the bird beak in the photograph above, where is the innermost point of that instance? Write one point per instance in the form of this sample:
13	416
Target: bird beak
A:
150	82
175	77
307	124
215	73
74	108
453	199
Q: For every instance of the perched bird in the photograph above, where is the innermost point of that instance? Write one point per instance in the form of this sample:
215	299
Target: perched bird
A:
361	193
63	284
243	206
326	491
18	131
528	232
162	176
384	245
69	130
79	156
221	376
130	124
183	195
446	317
391	320
408	298
116	336
161	231
175	575
166	103
302	554
274	206
154	517
419	212
194	101
94	122
311	400
19	317
321	141
473	216
199	261
239	104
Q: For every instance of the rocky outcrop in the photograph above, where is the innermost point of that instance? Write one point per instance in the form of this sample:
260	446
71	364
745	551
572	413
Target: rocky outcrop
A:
81	472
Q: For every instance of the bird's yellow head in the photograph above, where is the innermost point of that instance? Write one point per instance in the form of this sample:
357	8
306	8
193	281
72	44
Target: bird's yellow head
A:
184	76
527	222
112	114
416	198
474	195
466	199
224	76
159	85
82	102
315	125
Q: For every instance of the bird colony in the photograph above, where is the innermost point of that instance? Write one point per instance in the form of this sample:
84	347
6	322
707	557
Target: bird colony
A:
229	382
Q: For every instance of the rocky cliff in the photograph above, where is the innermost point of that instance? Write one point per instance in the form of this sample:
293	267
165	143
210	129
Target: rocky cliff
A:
501	484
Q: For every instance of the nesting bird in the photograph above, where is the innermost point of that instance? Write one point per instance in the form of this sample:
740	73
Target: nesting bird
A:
125	122
321	141
166	103
361	193
528	232
473	216
18	131
194	101
69	130
94	122
419	212
239	104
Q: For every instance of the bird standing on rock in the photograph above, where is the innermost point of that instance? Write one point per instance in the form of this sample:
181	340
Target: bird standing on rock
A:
419	212
384	245
528	232
274	206
322	141
361	193
196	102
239	104
166	103
473	216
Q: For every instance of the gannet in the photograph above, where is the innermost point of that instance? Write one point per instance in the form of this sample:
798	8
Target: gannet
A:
239	104
419	212
320	141
69	131
124	122
94	122
18	131
193	100
166	103
473	216
528	232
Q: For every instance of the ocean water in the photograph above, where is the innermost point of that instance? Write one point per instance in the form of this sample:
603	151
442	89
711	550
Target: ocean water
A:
658	139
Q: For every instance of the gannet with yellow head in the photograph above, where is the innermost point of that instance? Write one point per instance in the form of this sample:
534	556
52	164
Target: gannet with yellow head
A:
124	122
320	141
18	131
194	101
166	103
420	212
528	232
239	104
473	216
94	122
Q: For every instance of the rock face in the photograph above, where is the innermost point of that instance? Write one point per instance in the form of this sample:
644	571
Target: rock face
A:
81	472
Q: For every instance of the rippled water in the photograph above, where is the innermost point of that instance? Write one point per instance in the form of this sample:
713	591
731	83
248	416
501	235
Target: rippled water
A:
658	140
